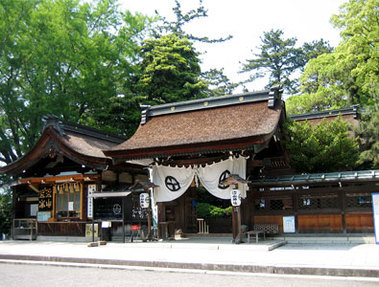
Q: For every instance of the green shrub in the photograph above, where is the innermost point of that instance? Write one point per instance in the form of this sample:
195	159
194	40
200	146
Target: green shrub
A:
206	209
203	209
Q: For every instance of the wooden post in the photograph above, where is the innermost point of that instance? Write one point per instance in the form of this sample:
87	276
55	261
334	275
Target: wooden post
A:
295	204
236	224
81	185
342	205
93	230
149	234
161	217
54	211
123	219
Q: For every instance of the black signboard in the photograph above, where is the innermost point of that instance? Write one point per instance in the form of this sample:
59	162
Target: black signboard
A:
45	199
111	209
134	212
108	208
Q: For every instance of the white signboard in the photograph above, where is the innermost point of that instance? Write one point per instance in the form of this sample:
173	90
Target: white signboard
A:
91	190
106	224
144	200
235	197
70	206
33	209
289	224
375	213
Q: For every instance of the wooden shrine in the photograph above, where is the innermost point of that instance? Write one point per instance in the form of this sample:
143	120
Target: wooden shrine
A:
54	181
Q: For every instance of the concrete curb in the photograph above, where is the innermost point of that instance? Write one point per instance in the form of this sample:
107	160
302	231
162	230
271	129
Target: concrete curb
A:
283	270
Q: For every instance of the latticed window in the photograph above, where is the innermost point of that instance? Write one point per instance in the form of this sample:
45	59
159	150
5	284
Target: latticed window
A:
260	204
310	201
68	200
358	200
274	203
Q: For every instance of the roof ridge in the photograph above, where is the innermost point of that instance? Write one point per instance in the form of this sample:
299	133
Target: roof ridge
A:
211	102
352	110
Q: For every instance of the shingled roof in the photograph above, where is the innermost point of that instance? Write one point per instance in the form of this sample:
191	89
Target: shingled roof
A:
205	125
79	143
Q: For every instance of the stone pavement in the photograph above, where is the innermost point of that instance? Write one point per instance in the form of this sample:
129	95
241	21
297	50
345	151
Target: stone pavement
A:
212	254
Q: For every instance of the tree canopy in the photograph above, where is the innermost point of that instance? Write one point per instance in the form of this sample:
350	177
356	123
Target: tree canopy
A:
348	75
170	70
176	27
279	58
368	133
324	147
218	83
63	58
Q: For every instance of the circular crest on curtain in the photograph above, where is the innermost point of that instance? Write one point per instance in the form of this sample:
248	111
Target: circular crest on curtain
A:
222	177
171	183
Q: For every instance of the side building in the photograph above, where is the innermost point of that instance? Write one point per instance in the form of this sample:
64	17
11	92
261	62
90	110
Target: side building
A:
337	202
52	184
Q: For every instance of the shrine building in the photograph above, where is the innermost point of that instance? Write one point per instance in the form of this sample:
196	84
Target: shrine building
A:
203	143
229	150
54	181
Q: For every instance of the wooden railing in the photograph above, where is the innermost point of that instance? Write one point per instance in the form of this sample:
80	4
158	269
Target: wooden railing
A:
24	228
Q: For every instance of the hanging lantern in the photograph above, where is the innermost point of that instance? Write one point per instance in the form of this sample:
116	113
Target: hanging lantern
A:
144	200
235	197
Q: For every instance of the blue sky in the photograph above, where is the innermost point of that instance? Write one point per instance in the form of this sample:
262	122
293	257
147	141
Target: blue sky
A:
246	20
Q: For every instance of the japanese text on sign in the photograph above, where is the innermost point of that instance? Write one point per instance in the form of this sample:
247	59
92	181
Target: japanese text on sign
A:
45	199
144	200
235	197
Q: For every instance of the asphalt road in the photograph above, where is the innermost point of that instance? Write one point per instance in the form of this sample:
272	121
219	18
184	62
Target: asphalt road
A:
31	275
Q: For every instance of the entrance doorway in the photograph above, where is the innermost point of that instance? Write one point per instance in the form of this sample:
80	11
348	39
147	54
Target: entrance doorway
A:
216	212
195	205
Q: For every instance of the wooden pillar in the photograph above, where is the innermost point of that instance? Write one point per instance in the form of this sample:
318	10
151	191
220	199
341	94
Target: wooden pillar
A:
123	219
149	234
14	206
93	230
251	201
342	205
54	209
81	184
295	205
236	224
161	216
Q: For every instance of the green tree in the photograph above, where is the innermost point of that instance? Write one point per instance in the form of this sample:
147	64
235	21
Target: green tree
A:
66	58
277	58
349	75
170	71
218	83
368	133
5	206
176	27
311	50
324	147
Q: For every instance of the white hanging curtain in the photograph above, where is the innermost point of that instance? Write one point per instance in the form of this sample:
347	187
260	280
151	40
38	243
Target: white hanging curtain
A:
172	181
211	175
